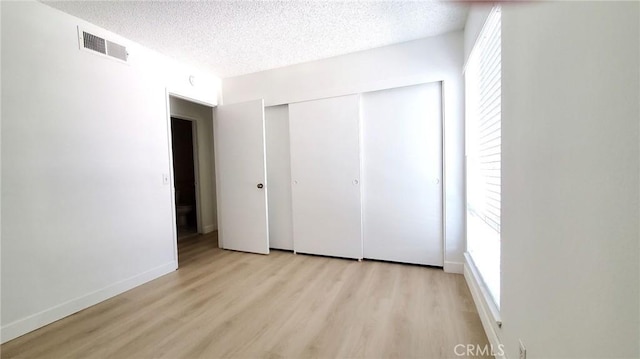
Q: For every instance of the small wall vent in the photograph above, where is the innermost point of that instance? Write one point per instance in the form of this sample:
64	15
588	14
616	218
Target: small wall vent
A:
116	50
97	44
93	42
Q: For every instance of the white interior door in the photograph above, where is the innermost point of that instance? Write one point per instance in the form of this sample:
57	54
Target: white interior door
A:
325	172
241	186
402	174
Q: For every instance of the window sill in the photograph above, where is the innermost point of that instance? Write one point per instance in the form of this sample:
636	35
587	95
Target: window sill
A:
492	309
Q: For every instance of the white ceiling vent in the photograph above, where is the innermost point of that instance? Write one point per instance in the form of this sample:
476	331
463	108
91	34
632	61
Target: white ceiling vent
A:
99	45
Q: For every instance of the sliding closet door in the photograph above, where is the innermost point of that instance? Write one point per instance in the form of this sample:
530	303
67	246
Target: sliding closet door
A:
402	174
325	173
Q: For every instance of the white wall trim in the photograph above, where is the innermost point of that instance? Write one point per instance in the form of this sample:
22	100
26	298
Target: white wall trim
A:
443	182
488	315
172	184
453	267
176	93
216	173
47	316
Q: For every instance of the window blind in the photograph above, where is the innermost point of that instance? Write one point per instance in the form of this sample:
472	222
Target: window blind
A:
483	81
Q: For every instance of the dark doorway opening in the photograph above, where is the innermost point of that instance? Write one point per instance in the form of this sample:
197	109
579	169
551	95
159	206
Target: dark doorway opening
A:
184	176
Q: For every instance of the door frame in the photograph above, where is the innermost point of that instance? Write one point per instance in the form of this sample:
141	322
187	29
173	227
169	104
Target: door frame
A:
170	175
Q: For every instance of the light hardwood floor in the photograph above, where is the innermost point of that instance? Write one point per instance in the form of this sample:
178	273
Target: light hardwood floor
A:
231	304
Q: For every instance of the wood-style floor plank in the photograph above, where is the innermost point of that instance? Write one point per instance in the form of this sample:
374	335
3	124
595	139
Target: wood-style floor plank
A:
225	304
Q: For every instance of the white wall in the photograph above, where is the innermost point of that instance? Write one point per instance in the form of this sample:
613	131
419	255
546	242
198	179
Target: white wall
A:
278	177
421	61
85	212
203	116
570	237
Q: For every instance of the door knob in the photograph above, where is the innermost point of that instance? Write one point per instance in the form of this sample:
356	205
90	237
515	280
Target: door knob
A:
260	185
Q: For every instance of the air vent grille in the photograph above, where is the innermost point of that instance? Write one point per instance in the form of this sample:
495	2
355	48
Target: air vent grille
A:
93	42
96	44
116	50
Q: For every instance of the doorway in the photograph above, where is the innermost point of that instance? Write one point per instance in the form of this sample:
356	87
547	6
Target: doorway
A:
184	173
193	175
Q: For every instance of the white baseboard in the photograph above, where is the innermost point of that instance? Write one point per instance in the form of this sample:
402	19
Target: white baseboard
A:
488	319
38	320
208	229
454	267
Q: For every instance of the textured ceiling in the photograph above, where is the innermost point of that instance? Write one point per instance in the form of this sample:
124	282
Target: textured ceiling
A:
233	38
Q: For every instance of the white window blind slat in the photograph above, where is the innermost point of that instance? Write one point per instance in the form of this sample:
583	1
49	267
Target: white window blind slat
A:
490	134
489	63
492	117
489	94
484	143
488	111
490	139
483	103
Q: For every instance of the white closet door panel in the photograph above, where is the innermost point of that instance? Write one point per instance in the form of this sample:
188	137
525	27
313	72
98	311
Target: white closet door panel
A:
279	177
402	174
325	173
241	177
